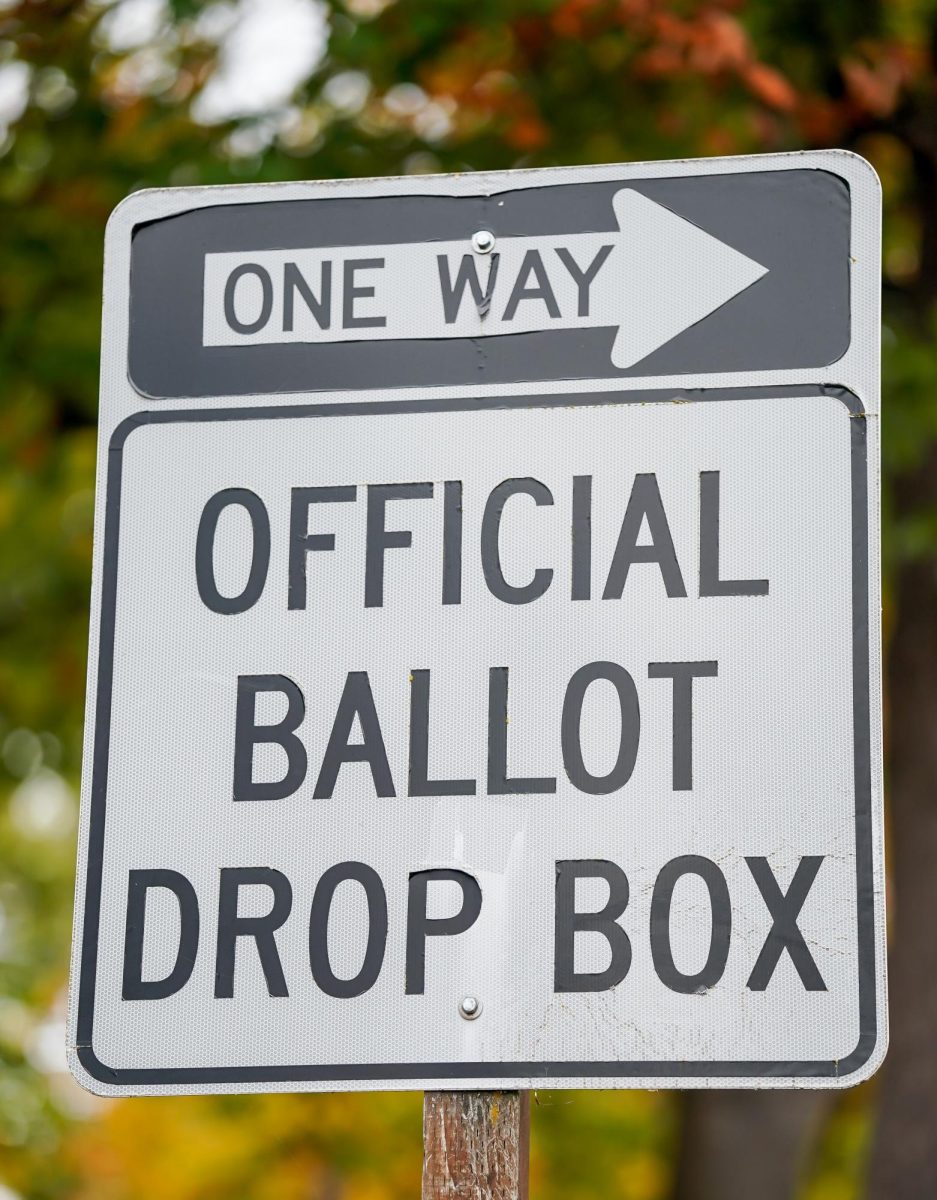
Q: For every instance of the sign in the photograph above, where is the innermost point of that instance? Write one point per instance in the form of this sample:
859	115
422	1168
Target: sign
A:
484	678
574	281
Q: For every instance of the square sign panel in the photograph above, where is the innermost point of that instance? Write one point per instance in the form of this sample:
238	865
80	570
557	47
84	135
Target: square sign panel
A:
484	676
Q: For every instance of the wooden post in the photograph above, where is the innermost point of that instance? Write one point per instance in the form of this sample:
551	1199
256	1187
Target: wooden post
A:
476	1145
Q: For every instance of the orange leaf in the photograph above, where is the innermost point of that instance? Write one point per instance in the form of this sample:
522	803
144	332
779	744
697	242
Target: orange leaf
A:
873	90
770	87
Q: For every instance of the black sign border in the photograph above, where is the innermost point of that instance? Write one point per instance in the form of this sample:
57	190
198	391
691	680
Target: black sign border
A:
404	1072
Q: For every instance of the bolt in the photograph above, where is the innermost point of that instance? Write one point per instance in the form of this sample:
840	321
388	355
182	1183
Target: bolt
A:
483	242
470	1007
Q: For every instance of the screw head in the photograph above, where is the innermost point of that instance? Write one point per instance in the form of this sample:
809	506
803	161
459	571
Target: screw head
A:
483	242
470	1008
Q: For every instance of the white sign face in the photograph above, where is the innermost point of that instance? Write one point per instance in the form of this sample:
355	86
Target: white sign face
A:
522	733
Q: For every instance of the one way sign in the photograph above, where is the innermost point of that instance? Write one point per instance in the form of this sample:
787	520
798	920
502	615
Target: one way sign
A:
490	288
484	669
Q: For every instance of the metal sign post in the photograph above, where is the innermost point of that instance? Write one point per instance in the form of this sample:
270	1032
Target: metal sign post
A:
484	671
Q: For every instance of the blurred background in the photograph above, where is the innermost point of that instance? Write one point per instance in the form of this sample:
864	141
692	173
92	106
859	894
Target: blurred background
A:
99	98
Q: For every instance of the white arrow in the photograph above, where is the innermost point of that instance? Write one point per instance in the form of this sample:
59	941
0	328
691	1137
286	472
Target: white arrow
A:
657	276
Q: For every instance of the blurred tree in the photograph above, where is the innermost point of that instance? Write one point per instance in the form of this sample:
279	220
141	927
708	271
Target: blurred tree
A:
98	98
